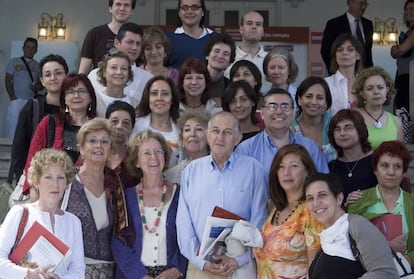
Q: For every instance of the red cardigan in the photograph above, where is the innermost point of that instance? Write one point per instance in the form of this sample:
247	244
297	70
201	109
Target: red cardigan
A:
39	141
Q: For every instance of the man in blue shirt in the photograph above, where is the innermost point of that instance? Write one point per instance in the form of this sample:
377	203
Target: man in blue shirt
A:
232	181
277	113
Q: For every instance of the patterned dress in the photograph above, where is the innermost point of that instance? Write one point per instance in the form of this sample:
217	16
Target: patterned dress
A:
284	253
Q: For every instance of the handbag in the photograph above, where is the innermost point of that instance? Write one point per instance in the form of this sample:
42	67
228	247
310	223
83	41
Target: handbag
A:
403	266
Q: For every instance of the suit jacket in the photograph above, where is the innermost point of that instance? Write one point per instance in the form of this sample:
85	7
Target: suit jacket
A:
339	25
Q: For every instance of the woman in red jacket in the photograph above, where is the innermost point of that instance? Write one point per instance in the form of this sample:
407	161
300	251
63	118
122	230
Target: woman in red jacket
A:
77	105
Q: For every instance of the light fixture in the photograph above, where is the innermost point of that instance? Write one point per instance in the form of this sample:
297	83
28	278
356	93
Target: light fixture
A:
385	31
51	27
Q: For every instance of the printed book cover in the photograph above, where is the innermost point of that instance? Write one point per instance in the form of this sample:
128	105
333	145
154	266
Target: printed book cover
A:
39	247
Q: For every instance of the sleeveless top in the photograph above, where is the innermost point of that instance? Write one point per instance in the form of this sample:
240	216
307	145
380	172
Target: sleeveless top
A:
388	132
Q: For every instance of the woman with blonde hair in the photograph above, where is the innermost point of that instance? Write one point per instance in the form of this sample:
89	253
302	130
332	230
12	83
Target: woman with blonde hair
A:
97	198
49	173
374	89
114	74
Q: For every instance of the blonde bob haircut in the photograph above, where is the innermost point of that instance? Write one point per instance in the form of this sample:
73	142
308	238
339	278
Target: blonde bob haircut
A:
91	126
46	158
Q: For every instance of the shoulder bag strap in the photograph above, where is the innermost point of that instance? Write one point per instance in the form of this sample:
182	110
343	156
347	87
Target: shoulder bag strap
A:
27	67
22	225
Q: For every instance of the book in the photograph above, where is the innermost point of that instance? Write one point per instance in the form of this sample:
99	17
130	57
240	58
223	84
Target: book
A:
39	247
217	247
223	213
216	229
390	225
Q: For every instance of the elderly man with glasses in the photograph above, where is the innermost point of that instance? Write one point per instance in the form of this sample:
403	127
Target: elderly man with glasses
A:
277	113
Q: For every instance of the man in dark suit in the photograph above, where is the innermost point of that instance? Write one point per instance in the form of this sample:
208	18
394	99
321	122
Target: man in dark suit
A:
351	22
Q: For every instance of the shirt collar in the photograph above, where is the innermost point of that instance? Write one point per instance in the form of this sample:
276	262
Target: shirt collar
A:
399	201
351	18
292	138
243	54
227	165
206	31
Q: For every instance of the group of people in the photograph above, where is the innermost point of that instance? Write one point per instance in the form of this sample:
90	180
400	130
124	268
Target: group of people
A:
125	163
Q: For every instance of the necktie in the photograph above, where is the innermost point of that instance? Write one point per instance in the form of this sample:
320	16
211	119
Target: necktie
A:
358	32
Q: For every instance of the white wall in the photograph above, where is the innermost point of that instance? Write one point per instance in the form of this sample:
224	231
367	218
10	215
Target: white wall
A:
19	19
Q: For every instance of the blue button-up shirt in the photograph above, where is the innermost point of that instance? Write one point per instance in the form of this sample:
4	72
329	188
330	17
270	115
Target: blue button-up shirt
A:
262	149
239	187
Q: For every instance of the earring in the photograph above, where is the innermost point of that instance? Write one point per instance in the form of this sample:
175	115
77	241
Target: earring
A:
66	109
89	107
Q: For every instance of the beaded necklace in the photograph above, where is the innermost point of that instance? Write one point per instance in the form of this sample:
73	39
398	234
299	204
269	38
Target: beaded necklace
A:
276	216
140	192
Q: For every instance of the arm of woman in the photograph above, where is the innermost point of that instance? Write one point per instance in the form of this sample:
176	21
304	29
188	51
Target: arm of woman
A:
403	48
8	232
371	243
400	134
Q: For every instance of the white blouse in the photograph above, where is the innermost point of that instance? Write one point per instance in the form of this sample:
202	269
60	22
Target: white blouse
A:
155	244
67	228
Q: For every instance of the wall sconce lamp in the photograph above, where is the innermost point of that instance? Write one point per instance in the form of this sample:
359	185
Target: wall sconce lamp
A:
51	27
385	31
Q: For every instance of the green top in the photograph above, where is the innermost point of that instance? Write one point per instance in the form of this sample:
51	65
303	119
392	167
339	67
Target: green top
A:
369	201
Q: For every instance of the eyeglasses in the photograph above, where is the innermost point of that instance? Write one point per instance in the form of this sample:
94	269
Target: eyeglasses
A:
80	91
94	141
148	153
347	128
194	8
272	107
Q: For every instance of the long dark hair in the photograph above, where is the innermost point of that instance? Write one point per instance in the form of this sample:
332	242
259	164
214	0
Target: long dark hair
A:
277	194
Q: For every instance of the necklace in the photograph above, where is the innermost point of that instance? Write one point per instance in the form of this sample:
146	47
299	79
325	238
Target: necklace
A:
352	169
197	106
378	123
140	192
277	214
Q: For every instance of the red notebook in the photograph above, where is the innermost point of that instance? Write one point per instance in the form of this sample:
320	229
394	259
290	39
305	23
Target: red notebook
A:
389	224
39	247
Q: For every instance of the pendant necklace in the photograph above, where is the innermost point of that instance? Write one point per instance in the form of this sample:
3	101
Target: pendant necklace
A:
350	170
378	123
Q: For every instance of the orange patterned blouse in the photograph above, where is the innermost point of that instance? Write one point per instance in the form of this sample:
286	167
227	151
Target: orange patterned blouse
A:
284	253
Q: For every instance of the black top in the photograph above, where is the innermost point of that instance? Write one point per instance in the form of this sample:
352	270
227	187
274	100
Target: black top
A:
69	141
362	178
23	135
328	267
